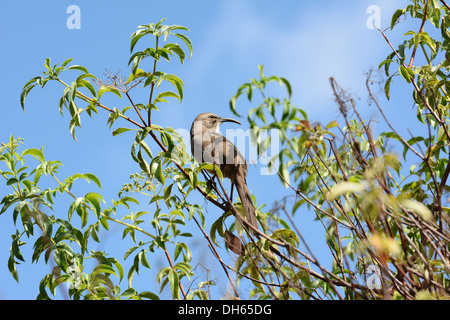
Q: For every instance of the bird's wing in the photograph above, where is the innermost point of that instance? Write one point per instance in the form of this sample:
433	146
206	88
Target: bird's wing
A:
224	152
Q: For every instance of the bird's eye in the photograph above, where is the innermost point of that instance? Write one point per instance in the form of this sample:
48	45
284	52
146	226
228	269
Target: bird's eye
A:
211	116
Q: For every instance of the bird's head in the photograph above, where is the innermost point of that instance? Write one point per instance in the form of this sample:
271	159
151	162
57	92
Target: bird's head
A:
211	121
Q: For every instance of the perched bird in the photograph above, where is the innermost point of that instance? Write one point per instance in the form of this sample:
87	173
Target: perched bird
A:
208	145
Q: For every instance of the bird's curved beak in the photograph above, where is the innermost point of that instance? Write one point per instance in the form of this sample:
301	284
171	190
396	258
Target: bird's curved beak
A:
228	120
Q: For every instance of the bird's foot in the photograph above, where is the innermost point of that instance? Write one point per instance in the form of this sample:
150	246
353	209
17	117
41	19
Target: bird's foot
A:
227	205
211	185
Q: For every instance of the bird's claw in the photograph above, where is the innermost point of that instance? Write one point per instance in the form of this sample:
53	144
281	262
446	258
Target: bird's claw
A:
227	205
211	185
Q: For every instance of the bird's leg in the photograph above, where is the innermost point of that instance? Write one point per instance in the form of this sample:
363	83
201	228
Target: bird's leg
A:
231	193
229	205
209	181
211	184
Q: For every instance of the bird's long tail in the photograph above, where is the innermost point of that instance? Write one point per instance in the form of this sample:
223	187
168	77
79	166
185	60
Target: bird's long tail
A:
247	203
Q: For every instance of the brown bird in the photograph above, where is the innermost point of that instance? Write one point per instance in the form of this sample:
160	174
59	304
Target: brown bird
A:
208	145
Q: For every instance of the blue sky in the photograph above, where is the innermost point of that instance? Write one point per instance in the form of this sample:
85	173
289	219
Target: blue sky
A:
304	41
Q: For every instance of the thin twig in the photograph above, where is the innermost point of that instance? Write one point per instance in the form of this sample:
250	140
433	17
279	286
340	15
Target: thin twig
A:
422	157
420	30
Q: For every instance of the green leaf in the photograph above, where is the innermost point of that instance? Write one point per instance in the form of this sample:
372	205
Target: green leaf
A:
47	64
88	85
148	295
104	89
15	249
124	201
281	80
287	235
411	142
135	39
396	16
131	274
129	251
165	94
177	83
167	140
233	105
212	168
11	181
284	172
143	259
84	215
386	63
9	200
143	163
424	295
77	67
95	198
18	209
406	73
177	27
418	207
138	74
185	269
36	153
174	282
119	268
288	85
61	279
175	48
158	24
131	292
136	58
164	53
387	88
103	268
159	174
436	4
65	63
121	130
162	274
35	80
88	177
12	268
187	41
216	226
344	188
426	39
146	148
332	124
255	275
444	28
75	204
24	94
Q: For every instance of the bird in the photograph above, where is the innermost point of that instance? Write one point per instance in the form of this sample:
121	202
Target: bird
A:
208	145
